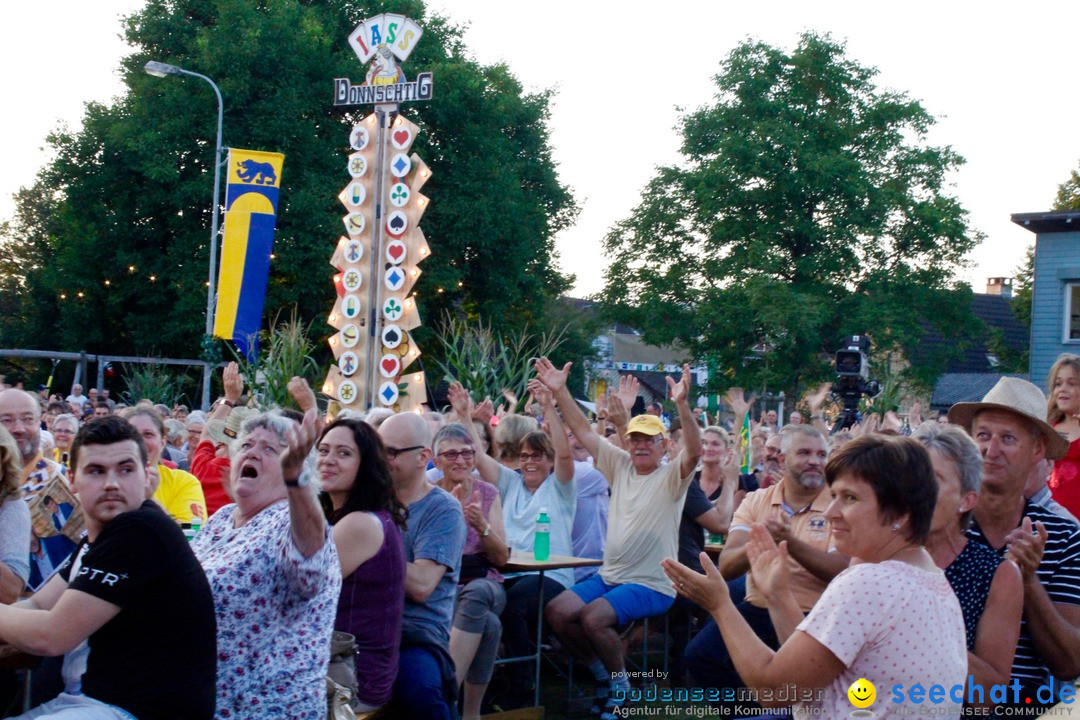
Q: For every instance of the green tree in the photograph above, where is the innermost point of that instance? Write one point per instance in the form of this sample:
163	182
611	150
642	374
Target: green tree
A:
807	207
108	249
1068	195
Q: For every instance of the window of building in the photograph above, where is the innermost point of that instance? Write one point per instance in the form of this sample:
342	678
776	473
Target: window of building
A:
1072	313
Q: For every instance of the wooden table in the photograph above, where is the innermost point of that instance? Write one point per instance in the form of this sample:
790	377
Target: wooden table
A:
713	549
521	562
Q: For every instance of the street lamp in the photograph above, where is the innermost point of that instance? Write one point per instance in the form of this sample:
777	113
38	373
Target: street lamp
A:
160	69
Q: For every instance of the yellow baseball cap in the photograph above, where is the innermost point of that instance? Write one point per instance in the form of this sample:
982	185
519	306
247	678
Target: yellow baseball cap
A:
646	425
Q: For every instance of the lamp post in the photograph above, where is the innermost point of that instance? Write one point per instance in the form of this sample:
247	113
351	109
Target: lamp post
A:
160	69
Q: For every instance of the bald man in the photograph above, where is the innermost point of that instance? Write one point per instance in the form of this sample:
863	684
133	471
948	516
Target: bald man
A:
434	539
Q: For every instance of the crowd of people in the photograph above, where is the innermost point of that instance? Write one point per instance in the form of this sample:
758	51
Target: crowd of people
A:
943	552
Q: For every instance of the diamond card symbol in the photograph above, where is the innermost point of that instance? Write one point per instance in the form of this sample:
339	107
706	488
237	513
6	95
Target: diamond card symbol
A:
399	194
350	306
400	165
354	250
395	279
390	366
391	336
388	392
358	138
357	165
352	280
354	223
348	363
396	222
401	138
392	309
395	251
347	392
350	335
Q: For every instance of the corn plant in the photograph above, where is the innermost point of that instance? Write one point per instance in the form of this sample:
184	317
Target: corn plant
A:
284	352
152	381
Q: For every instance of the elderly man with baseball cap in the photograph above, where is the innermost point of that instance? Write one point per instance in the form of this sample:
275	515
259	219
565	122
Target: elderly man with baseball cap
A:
647	499
1009	428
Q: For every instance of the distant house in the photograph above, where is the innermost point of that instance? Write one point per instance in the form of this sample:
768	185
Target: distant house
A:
1055	302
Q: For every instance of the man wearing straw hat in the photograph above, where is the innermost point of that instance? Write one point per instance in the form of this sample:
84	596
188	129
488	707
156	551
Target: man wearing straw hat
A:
1009	428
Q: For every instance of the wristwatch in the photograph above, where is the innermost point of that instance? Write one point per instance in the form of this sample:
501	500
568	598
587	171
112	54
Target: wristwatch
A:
487	531
301	482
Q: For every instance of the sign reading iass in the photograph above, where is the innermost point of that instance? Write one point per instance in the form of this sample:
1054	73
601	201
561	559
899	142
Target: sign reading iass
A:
381	42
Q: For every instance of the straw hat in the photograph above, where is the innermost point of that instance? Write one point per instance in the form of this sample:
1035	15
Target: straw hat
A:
1019	397
227	430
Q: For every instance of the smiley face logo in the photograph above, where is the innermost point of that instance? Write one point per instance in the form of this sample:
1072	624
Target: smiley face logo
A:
862	693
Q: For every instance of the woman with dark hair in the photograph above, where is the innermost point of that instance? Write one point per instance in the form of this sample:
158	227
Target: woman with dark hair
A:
891	617
358	499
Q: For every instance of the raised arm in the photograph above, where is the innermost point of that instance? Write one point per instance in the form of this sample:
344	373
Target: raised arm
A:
691	437
554	380
234	388
307	524
564	459
462	403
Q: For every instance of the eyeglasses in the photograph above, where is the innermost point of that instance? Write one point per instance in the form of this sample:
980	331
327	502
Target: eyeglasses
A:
643	439
453	455
531	457
393	452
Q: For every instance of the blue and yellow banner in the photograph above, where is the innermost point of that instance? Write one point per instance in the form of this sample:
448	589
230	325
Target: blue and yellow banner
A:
251	201
744	444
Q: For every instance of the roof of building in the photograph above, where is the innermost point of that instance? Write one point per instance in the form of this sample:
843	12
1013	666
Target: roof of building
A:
996	311
952	388
1048	222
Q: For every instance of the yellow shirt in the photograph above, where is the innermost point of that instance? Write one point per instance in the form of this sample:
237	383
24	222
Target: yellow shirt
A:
180	494
808	525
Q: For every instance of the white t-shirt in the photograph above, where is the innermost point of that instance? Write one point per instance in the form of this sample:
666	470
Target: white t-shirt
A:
892	624
643	519
80	399
521	508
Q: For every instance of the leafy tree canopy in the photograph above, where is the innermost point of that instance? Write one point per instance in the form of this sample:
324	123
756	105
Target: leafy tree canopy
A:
808	206
108	250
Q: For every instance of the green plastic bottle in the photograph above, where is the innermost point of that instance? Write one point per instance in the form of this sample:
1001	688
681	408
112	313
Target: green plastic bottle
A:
542	539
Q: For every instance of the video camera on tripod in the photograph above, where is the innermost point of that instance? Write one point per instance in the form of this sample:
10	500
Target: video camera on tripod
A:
853	380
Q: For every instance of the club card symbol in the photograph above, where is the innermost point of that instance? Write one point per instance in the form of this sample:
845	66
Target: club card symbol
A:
350	306
391	336
354	250
400	165
352	280
396	222
401	138
395	251
390	366
395	278
355	194
392	309
399	194
350	335
358	138
388	393
346	392
357	165
354	223
348	363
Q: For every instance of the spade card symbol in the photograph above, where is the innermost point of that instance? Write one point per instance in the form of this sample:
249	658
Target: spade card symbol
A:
401	138
397	222
391	336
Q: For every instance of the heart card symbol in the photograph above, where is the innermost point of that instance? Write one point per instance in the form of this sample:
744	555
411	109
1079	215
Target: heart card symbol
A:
400	165
392	309
391	336
399	194
357	165
354	223
350	335
401	138
395	279
348	363
388	393
390	366
347	392
350	306
396	222
395	251
358	138
352	280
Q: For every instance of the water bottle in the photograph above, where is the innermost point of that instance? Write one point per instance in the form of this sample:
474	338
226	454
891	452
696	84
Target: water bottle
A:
542	539
189	534
196	525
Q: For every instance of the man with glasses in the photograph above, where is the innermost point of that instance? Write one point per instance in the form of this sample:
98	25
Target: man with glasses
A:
647	498
434	539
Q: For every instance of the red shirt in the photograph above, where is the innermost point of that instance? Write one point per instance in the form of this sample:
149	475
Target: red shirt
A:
212	472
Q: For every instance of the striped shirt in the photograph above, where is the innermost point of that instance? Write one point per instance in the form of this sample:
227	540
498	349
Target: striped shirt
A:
1059	572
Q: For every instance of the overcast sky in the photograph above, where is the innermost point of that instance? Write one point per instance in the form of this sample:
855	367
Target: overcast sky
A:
1000	83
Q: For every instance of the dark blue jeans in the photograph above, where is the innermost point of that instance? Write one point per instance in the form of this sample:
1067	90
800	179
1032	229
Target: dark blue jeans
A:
707	657
418	689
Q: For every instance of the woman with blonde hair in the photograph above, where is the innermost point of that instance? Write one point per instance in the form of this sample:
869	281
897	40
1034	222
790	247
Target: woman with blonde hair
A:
1062	409
14	523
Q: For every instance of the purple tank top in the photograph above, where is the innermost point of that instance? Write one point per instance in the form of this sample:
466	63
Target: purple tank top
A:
370	607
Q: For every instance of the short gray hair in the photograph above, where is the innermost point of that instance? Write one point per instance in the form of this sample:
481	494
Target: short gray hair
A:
273	421
454	432
69	418
958	447
789	432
